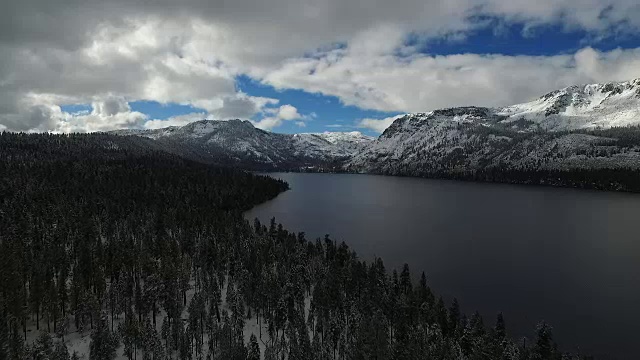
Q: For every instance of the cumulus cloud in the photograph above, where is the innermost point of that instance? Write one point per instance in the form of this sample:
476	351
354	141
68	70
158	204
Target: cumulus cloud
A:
377	125
191	53
107	114
277	115
143	59
274	117
99	122
422	82
179	120
110	106
288	112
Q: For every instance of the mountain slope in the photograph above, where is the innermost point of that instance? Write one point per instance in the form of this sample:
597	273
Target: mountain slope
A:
236	142
586	127
579	128
580	107
469	139
330	145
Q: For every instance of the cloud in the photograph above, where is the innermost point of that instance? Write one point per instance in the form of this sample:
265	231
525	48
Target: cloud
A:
422	82
191	53
291	26
93	122
288	112
234	106
110	106
179	120
377	125
278	115
135	59
107	113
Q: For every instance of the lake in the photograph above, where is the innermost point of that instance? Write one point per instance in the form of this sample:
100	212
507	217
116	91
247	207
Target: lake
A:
571	257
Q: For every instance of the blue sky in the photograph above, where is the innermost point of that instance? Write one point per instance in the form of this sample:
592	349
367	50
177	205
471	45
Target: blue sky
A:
329	113
301	66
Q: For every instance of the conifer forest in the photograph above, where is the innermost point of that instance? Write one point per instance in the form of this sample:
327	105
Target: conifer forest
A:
112	249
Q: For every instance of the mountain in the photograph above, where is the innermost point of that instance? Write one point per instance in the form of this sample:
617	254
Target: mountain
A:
585	127
330	145
575	129
580	107
239	143
467	139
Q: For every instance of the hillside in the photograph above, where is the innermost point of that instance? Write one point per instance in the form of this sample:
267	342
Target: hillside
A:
470	139
239	143
588	131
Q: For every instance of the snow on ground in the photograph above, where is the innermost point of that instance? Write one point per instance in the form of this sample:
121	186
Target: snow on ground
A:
585	106
78	340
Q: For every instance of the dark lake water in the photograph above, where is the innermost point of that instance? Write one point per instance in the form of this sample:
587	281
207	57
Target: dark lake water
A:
571	257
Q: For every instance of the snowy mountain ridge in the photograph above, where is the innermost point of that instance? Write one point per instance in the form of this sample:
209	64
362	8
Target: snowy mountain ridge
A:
564	129
582	106
239	142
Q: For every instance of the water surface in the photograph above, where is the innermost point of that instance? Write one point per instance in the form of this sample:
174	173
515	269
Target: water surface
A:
571	257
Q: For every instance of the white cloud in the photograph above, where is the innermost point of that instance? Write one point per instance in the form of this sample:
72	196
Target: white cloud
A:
277	115
191	54
377	125
110	106
179	120
288	112
93	122
421	82
139	59
107	114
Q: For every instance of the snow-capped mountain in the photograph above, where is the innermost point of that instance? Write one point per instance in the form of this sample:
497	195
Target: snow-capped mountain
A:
565	129
578	127
239	142
580	107
330	145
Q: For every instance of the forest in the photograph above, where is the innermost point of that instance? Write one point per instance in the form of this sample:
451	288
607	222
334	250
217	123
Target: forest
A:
110	249
529	158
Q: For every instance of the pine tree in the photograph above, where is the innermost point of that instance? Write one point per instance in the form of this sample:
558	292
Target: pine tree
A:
4	335
17	349
405	280
103	343
62	327
165	333
454	317
499	343
129	331
61	352
500	329
545	348
43	347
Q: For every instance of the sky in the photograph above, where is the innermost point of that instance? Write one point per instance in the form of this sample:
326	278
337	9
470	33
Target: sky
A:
297	65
